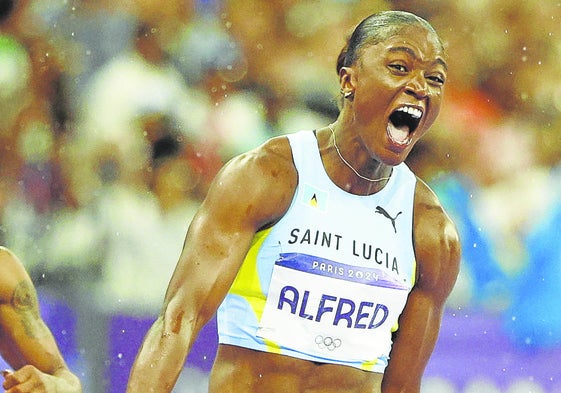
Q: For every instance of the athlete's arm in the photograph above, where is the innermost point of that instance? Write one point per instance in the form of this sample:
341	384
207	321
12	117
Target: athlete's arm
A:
250	192
437	251
26	343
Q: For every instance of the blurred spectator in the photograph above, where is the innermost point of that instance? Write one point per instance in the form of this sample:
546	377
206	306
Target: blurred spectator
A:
35	117
136	84
534	319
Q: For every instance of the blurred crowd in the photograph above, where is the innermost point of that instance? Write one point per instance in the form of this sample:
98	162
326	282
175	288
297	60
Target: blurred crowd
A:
116	115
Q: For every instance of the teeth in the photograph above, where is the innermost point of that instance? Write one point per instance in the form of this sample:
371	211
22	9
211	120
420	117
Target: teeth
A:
416	113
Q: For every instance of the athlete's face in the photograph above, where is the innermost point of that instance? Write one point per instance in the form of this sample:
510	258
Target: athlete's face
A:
398	86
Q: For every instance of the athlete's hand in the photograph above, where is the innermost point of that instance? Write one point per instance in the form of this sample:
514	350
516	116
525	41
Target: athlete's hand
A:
28	379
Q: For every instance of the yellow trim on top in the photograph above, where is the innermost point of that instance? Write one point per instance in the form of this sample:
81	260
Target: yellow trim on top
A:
248	286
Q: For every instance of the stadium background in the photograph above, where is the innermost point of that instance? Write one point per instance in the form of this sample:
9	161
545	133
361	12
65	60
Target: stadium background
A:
115	116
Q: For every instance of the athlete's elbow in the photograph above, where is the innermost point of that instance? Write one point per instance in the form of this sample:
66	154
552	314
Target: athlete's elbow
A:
176	319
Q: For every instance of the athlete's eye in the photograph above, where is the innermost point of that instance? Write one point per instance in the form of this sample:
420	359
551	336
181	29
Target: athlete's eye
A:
398	67
436	79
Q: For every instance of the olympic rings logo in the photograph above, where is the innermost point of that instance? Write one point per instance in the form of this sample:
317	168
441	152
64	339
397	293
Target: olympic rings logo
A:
328	342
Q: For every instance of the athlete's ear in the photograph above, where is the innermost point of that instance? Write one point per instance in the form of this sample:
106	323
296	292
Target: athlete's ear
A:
347	81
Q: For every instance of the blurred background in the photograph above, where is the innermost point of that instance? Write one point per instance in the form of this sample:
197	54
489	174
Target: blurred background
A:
116	115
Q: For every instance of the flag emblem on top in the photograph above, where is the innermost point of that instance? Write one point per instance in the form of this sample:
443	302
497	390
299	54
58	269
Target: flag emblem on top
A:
314	197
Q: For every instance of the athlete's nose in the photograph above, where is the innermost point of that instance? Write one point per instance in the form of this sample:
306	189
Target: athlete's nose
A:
417	86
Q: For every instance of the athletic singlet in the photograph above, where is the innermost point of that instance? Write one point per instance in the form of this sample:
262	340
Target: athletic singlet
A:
328	282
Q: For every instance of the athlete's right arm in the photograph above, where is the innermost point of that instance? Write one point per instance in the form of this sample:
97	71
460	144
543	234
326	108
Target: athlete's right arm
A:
250	192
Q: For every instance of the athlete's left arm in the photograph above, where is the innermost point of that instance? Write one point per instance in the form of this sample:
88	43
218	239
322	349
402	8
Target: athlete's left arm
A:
438	253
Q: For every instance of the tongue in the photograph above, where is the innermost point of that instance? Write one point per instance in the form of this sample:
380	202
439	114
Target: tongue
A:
398	134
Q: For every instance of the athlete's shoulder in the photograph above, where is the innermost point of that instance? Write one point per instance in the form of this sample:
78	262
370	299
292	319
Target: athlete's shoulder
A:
258	185
276	148
270	161
428	206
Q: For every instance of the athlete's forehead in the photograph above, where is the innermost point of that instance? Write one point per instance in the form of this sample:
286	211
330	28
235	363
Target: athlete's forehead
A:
417	43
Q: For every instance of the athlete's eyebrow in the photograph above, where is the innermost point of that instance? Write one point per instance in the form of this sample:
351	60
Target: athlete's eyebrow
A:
411	52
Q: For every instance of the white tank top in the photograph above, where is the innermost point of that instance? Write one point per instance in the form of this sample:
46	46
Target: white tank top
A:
328	282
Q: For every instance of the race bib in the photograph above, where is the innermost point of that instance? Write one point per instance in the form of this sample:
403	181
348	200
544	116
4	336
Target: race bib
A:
331	310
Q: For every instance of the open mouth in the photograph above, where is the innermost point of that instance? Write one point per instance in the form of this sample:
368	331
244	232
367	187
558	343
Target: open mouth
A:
403	122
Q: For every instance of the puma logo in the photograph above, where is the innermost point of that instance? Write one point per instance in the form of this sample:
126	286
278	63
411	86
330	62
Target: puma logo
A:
383	212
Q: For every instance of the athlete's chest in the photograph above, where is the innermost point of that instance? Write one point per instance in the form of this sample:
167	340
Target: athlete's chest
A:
367	233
